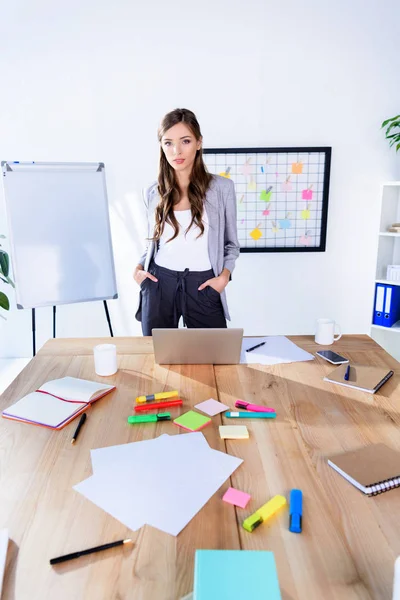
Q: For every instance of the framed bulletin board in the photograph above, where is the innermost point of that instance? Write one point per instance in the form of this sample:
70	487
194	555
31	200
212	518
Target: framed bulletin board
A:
282	195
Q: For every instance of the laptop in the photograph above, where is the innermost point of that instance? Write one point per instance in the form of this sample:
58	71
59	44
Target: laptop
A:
197	346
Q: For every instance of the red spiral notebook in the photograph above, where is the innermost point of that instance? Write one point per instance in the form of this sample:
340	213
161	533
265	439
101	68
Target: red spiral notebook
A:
57	402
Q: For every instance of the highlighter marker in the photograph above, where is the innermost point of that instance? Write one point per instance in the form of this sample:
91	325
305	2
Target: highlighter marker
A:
250	415
264	513
133	420
157	405
296	511
253	407
158	396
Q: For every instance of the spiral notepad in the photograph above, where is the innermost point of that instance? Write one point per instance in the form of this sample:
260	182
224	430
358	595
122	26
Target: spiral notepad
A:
373	470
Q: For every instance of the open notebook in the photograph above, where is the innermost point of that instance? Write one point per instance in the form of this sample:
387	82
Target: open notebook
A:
57	402
373	470
361	377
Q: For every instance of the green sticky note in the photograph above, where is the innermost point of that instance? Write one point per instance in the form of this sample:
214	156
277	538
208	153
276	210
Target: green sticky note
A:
192	421
265	196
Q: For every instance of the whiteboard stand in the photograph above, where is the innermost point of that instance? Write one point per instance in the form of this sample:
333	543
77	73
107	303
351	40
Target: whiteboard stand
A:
54	325
59	233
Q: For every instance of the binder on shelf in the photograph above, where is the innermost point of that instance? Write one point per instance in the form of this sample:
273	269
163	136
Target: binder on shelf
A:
391	305
379	304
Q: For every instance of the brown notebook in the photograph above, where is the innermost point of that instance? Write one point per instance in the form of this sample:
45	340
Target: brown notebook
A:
373	470
361	377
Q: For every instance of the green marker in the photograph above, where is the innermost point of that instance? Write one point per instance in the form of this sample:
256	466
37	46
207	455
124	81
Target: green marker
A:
149	418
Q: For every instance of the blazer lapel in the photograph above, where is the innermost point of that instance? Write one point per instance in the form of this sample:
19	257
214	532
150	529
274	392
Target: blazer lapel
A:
213	216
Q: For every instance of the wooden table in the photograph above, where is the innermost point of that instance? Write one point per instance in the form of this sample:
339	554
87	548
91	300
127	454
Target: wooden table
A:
349	542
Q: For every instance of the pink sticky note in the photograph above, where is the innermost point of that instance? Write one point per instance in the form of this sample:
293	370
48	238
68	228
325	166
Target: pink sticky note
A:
211	407
306	194
236	497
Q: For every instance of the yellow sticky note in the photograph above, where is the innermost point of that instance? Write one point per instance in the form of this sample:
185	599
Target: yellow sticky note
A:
252	184
233	432
226	173
256	234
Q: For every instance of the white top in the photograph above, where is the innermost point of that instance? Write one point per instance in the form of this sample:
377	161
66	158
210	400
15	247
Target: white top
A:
185	251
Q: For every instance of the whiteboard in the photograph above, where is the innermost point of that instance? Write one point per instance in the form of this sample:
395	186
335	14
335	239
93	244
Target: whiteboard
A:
59	233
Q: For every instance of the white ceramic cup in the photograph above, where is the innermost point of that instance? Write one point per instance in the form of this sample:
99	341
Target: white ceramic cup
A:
325	333
105	359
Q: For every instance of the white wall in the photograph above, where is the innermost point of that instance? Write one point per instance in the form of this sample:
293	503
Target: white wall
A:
87	81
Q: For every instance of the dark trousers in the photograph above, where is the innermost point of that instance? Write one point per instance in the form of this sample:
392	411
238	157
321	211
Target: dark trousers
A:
176	294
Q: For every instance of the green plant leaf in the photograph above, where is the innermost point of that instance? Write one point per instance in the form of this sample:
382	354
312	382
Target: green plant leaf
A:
10	281
398	147
4	302
5	280
389	120
389	129
4	263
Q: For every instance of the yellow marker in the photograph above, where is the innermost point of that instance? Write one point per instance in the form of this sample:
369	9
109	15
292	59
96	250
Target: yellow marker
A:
159	396
264	513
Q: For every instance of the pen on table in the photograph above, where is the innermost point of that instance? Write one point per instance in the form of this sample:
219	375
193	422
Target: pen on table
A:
296	511
132	420
254	347
253	407
250	415
158	396
77	430
347	374
59	559
157	405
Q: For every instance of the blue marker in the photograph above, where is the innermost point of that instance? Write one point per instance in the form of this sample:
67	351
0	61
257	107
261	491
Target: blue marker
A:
347	374
296	511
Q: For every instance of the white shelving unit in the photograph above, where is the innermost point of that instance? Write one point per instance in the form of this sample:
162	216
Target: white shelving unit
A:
388	254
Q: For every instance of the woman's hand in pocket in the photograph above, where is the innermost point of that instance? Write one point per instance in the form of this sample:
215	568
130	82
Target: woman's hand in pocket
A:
217	283
139	275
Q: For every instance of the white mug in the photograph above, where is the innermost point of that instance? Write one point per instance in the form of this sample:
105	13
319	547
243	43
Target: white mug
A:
325	333
105	359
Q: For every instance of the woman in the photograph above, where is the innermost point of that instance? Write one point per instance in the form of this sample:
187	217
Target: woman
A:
192	227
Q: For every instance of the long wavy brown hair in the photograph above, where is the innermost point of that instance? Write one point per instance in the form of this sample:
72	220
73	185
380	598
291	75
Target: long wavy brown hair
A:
168	187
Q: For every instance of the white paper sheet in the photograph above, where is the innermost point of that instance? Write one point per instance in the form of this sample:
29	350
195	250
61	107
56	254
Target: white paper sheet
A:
162	482
277	349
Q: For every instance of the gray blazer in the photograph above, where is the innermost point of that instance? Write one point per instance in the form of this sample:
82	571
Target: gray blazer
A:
223	245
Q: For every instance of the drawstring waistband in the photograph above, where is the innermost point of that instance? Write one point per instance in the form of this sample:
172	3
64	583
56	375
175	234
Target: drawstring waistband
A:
181	278
181	285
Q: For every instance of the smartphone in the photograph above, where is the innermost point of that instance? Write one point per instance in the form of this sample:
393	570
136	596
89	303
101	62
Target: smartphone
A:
332	357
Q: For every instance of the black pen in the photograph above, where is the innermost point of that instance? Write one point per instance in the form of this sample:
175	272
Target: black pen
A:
347	374
254	347
59	559
81	422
